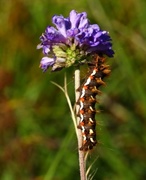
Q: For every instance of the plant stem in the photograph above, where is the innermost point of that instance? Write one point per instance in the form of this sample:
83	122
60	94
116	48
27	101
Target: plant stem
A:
82	161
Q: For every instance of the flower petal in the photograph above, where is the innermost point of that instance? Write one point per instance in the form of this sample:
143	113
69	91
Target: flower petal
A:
46	62
78	20
61	23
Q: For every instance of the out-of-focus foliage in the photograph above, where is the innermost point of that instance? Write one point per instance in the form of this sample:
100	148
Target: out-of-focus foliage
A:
37	139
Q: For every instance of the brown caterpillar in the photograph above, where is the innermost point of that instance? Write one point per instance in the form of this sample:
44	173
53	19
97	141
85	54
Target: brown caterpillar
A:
88	91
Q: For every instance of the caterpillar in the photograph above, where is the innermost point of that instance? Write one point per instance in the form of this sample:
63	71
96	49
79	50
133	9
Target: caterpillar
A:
87	100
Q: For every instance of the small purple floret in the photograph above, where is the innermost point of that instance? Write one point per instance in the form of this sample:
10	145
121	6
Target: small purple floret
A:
46	62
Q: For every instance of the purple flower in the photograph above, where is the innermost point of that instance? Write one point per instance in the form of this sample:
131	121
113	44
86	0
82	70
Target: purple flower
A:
73	41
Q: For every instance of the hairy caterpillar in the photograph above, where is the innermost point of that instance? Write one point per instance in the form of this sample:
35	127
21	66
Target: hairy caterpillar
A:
88	91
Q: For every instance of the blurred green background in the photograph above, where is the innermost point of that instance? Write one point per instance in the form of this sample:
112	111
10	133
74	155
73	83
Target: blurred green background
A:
37	138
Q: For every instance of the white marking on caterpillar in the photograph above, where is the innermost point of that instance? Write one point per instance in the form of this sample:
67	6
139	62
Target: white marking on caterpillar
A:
81	105
90	119
91	131
83	92
92	140
88	81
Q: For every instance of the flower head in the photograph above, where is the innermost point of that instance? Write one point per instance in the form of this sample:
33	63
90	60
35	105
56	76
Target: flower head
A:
72	41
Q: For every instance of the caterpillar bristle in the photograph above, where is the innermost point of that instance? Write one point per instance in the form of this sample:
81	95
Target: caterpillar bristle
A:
98	111
106	71
100	81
